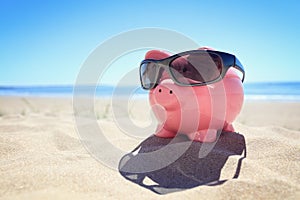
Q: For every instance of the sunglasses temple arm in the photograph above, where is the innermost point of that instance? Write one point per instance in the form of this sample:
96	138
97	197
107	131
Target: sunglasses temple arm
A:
238	65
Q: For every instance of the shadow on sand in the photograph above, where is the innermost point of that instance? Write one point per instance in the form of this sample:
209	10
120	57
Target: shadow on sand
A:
190	170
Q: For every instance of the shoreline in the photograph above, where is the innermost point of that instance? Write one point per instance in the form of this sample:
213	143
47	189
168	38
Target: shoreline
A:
248	98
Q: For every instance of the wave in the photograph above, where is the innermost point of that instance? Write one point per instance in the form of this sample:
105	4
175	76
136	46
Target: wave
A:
274	91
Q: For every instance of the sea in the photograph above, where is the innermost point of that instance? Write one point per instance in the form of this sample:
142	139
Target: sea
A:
267	91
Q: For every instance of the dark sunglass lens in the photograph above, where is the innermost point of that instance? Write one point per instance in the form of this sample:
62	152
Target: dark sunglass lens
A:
148	72
197	67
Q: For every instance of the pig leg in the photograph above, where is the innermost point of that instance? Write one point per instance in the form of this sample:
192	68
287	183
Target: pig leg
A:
228	128
162	132
208	135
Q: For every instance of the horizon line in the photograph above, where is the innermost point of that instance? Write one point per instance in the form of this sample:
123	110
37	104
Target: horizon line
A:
113	85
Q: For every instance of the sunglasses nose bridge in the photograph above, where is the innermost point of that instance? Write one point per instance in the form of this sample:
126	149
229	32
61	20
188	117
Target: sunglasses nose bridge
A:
164	73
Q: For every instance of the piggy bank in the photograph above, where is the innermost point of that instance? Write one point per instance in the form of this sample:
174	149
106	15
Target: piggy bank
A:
200	111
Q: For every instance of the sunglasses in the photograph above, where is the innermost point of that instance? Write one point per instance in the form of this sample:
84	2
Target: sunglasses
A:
190	68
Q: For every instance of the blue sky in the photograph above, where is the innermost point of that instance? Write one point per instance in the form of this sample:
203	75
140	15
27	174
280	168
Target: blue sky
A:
46	42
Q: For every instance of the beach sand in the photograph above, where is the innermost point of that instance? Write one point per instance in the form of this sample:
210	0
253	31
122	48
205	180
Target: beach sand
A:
42	157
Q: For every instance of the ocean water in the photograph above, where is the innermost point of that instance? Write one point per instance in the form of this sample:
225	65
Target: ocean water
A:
275	91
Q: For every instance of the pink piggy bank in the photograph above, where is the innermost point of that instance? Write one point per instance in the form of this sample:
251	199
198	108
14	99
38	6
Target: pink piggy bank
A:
197	93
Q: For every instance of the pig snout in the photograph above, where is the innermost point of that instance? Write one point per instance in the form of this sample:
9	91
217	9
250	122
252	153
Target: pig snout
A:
164	95
173	97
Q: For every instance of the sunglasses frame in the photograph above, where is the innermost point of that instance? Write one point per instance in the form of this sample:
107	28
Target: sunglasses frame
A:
228	60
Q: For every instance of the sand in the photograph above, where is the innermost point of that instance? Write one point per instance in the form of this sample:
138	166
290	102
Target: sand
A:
42	157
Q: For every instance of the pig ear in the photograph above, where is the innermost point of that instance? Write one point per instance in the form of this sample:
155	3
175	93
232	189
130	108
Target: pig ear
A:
157	54
207	48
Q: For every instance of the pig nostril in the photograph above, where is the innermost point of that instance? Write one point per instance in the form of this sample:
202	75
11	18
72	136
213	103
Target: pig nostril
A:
171	92
159	90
